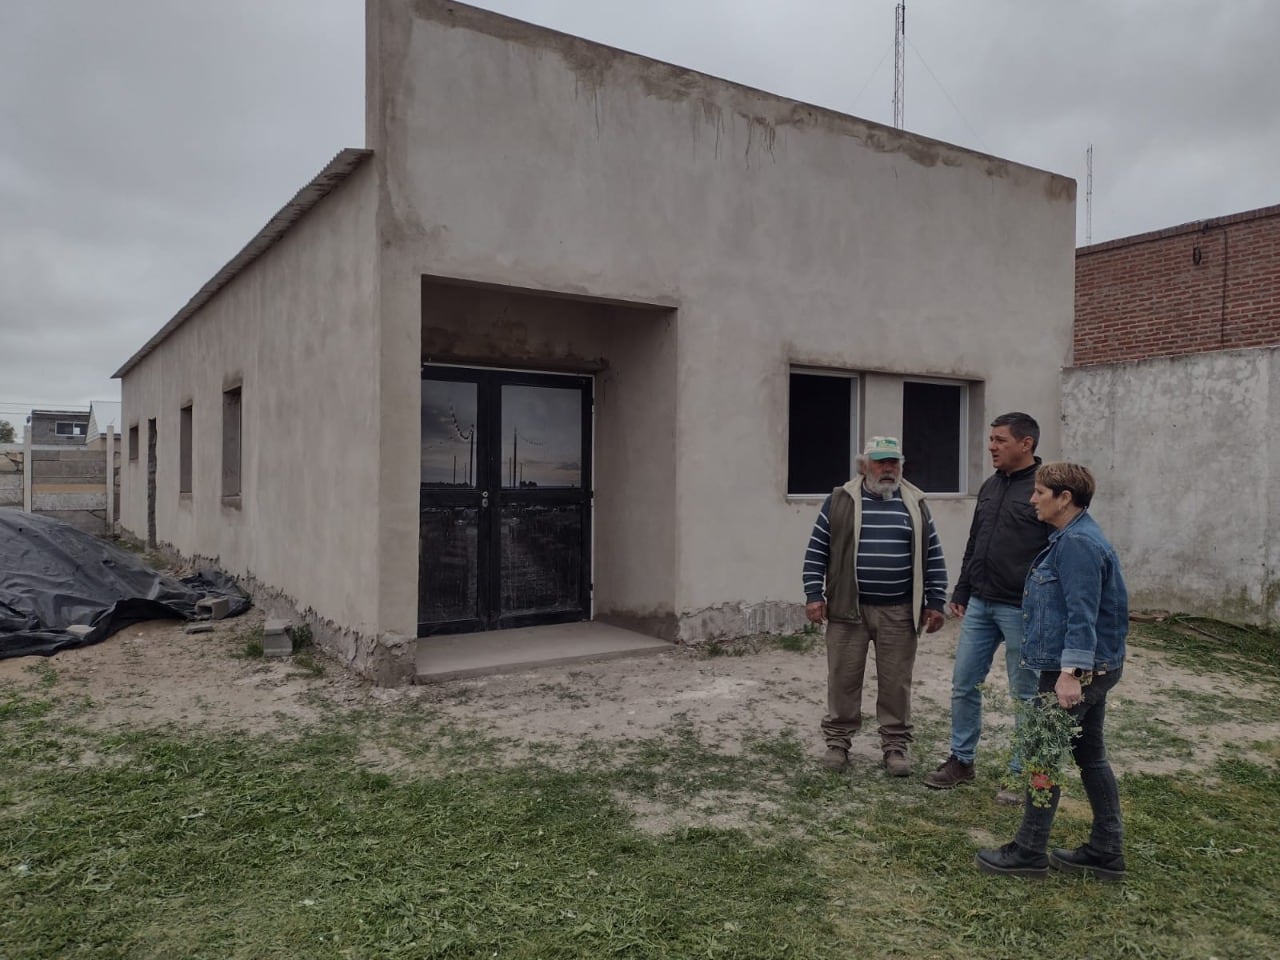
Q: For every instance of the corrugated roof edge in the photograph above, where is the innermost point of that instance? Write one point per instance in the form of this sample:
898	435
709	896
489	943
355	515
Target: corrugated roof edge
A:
325	182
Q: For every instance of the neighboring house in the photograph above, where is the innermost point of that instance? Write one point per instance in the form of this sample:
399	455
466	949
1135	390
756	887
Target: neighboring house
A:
103	414
586	335
58	427
1174	398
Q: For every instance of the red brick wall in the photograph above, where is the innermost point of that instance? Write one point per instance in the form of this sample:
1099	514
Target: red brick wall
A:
1147	296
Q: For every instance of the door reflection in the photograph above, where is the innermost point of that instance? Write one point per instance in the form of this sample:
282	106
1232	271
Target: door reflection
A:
541	437
448	433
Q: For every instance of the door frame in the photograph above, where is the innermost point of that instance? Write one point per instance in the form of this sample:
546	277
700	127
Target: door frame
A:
489	383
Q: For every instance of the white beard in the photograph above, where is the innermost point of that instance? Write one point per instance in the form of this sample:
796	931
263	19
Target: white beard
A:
884	488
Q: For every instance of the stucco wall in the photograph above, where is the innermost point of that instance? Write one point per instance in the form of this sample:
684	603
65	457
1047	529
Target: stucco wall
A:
1189	476
782	233
298	328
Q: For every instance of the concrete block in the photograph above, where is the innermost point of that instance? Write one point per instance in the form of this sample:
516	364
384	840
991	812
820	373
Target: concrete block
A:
216	608
393	661
276	641
199	627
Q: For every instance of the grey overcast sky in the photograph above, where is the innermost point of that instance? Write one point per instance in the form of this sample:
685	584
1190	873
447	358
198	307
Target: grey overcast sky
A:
143	142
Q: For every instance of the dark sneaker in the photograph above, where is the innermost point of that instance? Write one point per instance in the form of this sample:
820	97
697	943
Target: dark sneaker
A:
1013	861
950	773
897	763
1083	860
836	758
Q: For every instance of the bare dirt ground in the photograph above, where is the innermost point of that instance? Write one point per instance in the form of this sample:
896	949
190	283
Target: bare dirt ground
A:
154	674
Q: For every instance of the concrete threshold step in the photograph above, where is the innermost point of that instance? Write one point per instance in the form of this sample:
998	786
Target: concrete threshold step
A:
463	655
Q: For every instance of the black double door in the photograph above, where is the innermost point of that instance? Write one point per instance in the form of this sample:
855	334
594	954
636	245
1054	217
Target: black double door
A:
505	506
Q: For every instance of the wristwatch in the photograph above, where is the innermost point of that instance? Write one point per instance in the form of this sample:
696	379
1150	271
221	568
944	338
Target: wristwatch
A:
1079	673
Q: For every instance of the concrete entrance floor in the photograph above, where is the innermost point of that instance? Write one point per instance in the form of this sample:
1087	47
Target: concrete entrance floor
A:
506	651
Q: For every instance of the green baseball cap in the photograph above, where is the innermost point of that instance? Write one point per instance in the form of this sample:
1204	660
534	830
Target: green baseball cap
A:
883	448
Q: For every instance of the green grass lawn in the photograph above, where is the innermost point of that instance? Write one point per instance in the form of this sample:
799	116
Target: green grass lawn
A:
180	843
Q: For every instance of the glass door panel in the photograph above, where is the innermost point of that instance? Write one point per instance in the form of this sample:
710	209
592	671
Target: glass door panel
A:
541	436
451	543
505	491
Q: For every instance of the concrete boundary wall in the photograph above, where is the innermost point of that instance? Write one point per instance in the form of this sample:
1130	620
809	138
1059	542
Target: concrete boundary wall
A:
67	483
1188	466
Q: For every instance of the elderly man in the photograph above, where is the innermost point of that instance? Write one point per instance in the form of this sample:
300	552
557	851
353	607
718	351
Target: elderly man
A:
874	572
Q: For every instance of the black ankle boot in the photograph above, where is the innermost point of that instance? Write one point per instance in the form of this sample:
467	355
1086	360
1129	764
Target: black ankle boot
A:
1084	859
1012	860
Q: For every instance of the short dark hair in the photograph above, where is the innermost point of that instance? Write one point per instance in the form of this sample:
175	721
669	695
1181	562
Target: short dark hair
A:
1021	425
1060	475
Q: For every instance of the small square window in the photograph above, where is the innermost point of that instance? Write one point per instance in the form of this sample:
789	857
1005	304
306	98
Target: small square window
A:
822	431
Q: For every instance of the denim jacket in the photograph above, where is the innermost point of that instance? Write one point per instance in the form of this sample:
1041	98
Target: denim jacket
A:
1075	608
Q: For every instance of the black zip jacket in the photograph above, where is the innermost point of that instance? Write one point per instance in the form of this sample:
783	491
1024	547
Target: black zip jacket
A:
1004	538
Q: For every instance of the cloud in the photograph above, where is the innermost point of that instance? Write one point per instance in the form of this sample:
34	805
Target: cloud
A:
145	141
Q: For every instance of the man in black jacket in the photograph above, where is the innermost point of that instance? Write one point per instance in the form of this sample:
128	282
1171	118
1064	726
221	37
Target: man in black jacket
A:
1004	538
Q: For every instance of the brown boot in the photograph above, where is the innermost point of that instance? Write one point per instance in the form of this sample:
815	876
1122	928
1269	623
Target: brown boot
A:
952	772
896	762
836	758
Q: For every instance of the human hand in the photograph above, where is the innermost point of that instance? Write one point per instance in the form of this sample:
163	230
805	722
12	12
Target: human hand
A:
816	611
956	609
932	621
1068	690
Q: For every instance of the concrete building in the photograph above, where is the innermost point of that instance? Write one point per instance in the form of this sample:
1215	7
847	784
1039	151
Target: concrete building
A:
584	335
1173	397
58	427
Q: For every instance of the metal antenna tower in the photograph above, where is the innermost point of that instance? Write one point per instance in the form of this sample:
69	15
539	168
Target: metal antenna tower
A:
899	55
1088	196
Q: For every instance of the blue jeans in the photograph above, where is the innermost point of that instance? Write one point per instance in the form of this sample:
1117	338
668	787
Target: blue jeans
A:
984	628
1106	837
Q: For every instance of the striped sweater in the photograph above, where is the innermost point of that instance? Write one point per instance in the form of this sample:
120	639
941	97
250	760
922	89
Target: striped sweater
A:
884	555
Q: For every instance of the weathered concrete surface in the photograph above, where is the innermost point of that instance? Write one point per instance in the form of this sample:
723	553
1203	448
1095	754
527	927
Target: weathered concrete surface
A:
67	483
298	331
691	239
1188	469
779	233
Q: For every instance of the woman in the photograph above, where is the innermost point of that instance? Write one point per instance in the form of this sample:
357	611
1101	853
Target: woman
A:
1075	618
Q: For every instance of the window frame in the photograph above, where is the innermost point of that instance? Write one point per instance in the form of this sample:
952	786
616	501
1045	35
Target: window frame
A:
856	384
185	440
963	428
232	443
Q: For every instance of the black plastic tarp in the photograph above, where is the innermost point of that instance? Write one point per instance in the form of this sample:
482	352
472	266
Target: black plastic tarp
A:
53	576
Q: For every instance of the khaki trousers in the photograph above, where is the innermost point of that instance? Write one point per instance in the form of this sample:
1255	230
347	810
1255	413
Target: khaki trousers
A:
892	630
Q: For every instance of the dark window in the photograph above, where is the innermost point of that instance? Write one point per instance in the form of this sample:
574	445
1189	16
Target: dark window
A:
68	428
184	449
133	442
821	431
231	442
934	428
